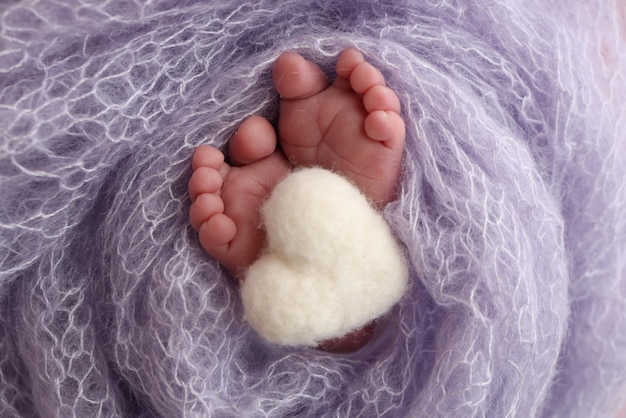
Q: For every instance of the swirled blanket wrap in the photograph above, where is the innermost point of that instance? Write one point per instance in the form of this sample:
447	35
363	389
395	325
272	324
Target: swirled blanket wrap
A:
511	209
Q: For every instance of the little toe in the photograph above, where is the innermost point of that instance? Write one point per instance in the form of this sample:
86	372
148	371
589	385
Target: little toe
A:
216	234
254	140
297	78
381	98
204	180
207	156
204	208
385	126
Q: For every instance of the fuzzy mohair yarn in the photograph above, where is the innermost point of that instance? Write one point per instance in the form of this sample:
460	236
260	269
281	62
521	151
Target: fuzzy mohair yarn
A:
511	208
331	264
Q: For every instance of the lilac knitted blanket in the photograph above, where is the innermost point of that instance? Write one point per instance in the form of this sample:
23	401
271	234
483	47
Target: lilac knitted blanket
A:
512	209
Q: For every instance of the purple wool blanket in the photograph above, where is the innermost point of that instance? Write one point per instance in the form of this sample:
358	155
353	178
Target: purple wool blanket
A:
512	209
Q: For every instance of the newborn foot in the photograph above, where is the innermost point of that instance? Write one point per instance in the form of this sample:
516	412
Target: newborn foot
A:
352	126
226	198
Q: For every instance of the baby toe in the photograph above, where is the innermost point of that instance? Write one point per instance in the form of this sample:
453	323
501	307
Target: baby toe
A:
347	61
204	180
381	98
204	208
254	140
207	156
385	126
216	234
297	78
364	77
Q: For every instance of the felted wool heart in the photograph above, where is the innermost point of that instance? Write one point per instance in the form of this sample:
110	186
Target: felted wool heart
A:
331	264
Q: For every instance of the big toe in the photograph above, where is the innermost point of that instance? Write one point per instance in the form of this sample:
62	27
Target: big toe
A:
254	140
297	78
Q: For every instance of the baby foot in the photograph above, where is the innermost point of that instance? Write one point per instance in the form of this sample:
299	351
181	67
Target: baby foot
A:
353	126
226	198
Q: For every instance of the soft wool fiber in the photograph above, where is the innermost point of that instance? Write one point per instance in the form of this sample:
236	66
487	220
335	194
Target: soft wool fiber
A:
511	207
331	264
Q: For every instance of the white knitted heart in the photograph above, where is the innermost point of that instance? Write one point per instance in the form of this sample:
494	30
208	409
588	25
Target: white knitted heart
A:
331	264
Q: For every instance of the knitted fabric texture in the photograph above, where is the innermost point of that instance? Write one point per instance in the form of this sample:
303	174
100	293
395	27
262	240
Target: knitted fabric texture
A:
331	265
511	208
